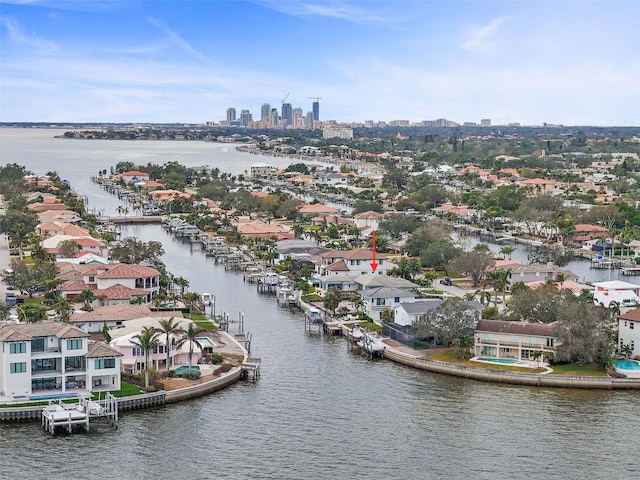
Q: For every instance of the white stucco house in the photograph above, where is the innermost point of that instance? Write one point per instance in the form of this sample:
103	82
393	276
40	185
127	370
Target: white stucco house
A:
624	293
380	298
53	357
629	332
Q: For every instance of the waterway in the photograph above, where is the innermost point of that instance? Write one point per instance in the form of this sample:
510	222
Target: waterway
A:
320	411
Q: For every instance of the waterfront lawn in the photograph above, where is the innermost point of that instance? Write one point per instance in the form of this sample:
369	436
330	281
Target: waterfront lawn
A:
126	390
370	327
205	324
577	370
450	357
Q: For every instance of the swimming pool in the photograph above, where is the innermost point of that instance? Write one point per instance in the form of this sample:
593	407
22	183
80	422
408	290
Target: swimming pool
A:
629	368
205	342
500	361
185	368
53	396
627	364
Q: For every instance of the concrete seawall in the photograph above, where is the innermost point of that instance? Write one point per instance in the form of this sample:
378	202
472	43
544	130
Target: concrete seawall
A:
528	379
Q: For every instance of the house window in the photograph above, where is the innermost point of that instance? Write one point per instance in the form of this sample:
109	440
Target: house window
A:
18	367
631	324
380	301
633	345
380	261
74	344
550	342
37	345
396	299
137	352
525	354
92	279
101	363
18	347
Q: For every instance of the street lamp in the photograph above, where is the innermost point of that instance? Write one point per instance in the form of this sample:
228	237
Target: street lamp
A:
214	306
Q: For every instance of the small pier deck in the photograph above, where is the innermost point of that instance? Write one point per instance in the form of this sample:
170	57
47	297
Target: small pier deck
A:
251	367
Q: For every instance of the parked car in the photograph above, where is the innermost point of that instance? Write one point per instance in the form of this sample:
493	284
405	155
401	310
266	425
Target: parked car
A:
446	281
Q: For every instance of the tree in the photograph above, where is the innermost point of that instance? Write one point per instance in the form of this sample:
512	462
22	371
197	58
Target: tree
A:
408	267
191	298
358	303
168	327
561	277
387	315
190	336
181	282
28	277
86	297
439	254
500	280
133	251
473	264
397	225
147	340
447	321
63	308
366	206
68	249
507	251
18	225
331	300
462	347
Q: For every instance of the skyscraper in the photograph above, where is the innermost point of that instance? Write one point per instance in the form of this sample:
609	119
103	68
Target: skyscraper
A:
316	110
245	118
287	114
231	115
265	112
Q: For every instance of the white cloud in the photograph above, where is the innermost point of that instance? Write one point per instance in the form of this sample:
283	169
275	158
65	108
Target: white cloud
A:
484	36
330	9
21	37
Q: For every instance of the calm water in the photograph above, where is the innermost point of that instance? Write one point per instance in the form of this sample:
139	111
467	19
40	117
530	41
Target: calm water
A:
319	411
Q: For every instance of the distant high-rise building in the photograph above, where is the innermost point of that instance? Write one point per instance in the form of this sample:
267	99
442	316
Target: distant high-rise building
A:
245	118
316	110
308	120
231	115
265	112
296	117
274	118
287	114
485	122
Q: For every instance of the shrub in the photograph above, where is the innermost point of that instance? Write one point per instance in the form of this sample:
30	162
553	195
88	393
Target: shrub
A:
216	359
223	368
192	375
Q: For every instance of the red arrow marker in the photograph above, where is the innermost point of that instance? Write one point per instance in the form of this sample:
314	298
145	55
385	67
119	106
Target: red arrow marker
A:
374	264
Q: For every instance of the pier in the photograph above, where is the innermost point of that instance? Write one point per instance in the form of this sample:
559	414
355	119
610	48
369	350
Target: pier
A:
76	416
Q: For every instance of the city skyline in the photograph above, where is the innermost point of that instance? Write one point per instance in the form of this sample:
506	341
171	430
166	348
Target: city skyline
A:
565	62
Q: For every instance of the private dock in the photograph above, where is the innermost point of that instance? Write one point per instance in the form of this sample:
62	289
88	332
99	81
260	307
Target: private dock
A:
251	367
76	416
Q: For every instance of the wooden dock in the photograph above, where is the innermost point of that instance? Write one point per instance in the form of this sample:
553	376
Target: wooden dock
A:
76	416
251	367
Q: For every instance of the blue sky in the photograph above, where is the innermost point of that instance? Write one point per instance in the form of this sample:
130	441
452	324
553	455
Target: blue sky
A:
564	61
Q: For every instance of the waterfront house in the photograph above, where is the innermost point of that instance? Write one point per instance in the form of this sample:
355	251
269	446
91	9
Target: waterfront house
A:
378	299
68	216
625	294
629	333
55	357
133	358
141	281
132	176
373	280
536	273
514	340
115	316
351	262
51	229
408	313
86	244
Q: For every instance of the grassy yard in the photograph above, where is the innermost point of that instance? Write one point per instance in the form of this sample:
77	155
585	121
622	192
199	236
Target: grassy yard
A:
449	357
205	324
577	370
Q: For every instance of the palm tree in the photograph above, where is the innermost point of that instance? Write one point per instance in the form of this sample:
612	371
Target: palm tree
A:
357	303
561	277
191	298
63	308
332	300
18	235
181	282
168	327
500	280
86	297
147	340
507	251
190	335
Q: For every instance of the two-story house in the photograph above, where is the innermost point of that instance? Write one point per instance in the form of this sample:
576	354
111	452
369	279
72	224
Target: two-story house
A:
116	283
629	333
54	357
351	262
625	294
514	340
378	299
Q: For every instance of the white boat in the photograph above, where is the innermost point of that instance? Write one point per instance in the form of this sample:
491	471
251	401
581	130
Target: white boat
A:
207	298
314	316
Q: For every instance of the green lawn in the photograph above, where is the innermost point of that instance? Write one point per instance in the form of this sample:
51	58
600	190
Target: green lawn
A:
205	324
576	370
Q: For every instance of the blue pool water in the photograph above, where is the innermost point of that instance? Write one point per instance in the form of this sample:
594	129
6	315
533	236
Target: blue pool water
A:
205	342
502	361
627	364
185	368
53	396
